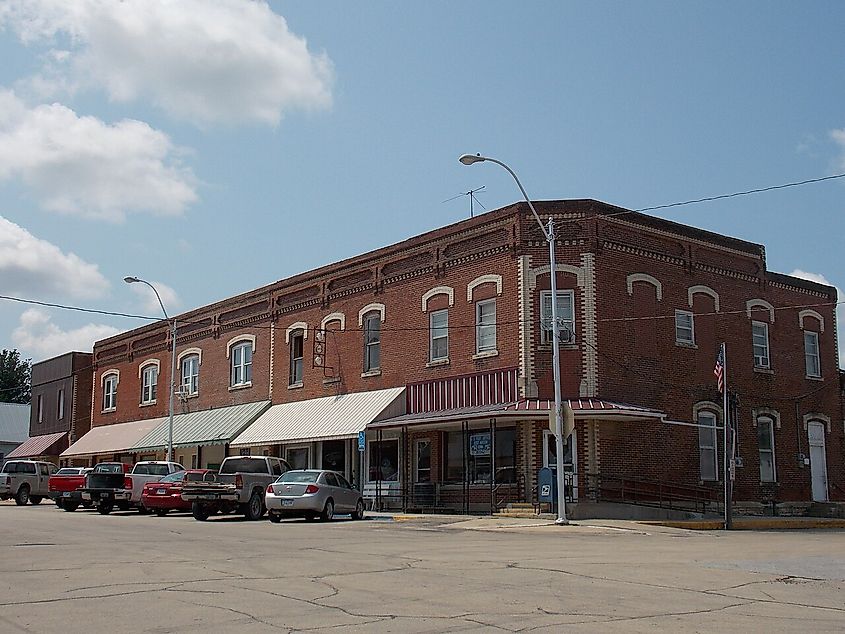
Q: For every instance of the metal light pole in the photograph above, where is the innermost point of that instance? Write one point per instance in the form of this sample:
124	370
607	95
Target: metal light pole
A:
132	280
549	233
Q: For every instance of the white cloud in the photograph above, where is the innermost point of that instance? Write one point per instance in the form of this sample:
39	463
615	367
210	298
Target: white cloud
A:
150	304
838	137
41	339
34	267
83	166
201	60
840	308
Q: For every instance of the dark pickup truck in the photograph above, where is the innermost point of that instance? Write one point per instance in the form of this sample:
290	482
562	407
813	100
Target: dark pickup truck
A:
108	485
240	486
64	487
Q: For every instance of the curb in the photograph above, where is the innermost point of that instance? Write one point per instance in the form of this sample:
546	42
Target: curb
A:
761	524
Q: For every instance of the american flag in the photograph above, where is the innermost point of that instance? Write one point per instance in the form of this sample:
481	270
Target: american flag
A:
718	370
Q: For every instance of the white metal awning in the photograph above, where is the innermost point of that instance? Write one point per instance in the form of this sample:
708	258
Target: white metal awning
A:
110	439
326	418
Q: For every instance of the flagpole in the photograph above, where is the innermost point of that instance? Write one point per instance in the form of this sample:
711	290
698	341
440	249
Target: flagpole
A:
726	443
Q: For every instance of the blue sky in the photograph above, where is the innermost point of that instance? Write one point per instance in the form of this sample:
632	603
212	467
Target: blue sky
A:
215	146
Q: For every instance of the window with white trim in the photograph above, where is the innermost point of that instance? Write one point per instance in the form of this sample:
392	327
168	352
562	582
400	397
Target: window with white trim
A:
60	405
707	448
372	341
565	315
40	408
241	374
760	343
109	392
684	327
485	326
297	341
766	448
149	384
438	322
812	362
190	381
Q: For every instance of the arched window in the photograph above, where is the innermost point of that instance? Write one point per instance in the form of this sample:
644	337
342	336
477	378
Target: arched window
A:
766	448
109	381
372	341
190	374
297	352
149	383
241	355
708	450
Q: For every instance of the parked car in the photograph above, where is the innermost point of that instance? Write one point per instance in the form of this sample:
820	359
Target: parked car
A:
108	485
166	494
312	493
25	480
64	487
107	490
240	486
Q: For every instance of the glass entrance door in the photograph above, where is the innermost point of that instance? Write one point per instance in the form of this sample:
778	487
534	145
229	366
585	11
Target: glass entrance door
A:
570	465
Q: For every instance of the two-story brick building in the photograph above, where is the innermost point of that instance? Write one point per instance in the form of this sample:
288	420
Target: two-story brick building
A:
439	349
60	409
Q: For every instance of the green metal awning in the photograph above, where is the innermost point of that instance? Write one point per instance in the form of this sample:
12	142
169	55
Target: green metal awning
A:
204	427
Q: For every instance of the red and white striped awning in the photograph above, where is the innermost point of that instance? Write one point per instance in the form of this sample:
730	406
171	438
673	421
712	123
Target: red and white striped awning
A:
533	409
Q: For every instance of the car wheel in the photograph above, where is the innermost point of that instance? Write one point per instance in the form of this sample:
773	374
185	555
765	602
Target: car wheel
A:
142	510
87	504
199	511
275	518
23	496
310	517
70	507
255	507
161	512
35	499
59	502
328	511
358	513
105	508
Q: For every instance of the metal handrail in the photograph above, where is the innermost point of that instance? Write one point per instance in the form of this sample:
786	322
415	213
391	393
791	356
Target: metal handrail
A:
649	492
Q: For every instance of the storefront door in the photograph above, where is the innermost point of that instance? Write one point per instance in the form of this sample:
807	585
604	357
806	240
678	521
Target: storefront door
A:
570	465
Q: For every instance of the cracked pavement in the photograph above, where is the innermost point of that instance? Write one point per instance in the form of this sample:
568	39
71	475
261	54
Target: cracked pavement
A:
69	572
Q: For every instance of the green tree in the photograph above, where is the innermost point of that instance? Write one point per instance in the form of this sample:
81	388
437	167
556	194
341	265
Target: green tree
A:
14	377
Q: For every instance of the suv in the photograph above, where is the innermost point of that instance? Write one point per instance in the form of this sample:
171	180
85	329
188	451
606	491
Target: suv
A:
25	480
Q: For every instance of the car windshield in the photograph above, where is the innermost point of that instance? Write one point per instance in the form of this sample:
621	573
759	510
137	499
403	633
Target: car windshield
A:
299	476
174	477
150	469
200	476
244	465
67	472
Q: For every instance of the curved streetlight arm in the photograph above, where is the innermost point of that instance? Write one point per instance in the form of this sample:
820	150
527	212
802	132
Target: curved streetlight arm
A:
130	280
469	159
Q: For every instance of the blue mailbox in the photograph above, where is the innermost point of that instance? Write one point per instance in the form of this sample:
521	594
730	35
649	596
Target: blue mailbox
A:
547	486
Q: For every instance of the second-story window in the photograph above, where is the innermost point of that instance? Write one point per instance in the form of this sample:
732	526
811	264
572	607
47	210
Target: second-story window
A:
190	374
297	340
372	341
684	329
241	364
60	405
40	409
760	342
149	384
110	392
439	335
812	363
485	326
565	315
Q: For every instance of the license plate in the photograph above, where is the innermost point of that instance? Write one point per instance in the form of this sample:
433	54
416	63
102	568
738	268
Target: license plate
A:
287	502
66	494
206	497
160	491
104	496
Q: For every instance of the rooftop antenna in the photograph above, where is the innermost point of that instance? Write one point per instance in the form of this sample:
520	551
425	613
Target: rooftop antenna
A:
472	200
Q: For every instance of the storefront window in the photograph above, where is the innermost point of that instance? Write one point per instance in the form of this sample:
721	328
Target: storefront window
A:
334	455
384	460
477	461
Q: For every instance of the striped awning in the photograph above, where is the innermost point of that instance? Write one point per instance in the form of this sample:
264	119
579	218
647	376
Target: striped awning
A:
325	418
110	439
38	446
204	427
537	409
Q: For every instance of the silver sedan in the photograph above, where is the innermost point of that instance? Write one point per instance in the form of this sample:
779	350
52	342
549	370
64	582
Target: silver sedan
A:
312	493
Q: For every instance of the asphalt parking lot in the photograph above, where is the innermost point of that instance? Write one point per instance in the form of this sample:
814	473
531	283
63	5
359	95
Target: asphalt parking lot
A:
82	572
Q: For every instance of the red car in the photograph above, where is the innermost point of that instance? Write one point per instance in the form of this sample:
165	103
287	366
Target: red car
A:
166	494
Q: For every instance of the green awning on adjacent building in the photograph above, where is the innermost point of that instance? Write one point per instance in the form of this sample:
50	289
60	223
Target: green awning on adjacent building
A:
205	427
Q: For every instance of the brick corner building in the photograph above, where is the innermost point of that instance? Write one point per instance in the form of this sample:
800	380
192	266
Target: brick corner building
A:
435	355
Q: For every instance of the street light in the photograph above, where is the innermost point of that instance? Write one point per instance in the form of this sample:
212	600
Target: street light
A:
131	280
549	233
